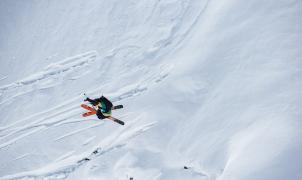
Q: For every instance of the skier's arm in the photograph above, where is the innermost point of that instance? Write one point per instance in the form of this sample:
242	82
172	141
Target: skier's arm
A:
92	101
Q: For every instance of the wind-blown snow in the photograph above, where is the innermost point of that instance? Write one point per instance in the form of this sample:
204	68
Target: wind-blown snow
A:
214	86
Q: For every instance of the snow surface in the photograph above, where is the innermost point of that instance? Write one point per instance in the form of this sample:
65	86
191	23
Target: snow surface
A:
211	85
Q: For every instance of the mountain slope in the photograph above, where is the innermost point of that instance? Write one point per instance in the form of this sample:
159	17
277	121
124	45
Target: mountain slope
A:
214	86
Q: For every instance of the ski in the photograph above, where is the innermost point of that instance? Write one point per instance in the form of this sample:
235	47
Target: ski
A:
116	120
117	107
92	111
86	114
88	107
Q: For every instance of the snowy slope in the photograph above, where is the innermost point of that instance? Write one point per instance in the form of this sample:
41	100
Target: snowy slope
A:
211	85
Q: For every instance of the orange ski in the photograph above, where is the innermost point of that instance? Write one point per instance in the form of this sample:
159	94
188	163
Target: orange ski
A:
89	113
92	111
87	107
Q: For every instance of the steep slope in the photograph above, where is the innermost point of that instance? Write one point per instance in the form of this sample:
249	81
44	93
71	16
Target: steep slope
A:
214	86
236	98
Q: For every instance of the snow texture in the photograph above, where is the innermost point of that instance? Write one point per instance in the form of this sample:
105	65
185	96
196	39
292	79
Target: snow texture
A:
211	89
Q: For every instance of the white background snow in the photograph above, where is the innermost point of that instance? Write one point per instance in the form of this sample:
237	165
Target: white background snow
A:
212	85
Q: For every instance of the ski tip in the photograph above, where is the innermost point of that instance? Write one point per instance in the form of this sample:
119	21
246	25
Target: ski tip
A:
119	122
117	107
122	123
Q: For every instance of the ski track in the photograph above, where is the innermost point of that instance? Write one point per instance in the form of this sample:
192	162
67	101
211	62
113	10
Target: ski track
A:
127	92
54	69
64	156
57	109
40	123
4	77
61	68
89	140
79	130
21	157
14	140
53	114
72	121
62	169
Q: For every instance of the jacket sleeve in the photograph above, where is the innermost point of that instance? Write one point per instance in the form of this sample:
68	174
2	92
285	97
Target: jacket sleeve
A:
93	101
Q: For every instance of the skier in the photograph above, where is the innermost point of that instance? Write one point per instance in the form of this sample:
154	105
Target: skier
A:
102	105
102	108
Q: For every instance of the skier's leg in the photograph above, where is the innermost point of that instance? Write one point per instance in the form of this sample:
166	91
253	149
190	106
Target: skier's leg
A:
100	114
